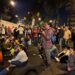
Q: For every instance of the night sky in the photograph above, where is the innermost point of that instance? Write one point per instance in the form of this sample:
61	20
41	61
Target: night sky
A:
23	6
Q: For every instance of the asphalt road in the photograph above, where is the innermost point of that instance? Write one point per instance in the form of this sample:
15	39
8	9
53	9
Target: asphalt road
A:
35	60
54	69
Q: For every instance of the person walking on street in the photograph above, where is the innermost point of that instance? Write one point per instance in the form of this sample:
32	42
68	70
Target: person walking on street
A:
46	41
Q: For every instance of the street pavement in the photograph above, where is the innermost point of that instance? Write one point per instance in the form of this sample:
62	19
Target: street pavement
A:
34	63
54	69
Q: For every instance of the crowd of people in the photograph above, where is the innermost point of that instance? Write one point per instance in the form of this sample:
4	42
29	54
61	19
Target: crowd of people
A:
56	42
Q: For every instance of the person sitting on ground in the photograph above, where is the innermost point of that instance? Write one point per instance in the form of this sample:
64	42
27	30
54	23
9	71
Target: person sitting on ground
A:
71	61
20	59
64	55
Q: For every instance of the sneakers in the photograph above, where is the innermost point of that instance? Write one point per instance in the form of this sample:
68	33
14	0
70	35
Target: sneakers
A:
7	68
69	69
57	59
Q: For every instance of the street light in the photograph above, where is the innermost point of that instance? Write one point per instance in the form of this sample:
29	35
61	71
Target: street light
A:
50	21
16	16
39	18
12	3
25	18
28	12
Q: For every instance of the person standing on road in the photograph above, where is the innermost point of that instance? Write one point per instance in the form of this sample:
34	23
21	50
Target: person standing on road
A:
19	60
61	34
67	36
35	36
21	30
46	41
73	36
3	30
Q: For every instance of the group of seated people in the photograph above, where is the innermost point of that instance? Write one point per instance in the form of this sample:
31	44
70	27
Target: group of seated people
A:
67	56
16	50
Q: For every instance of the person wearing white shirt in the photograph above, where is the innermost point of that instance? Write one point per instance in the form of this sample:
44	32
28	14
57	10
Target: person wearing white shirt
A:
21	30
20	59
3	30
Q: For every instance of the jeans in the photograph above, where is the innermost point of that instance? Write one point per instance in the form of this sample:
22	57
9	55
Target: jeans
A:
3	72
48	56
71	61
18	63
60	43
67	43
53	54
35	41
